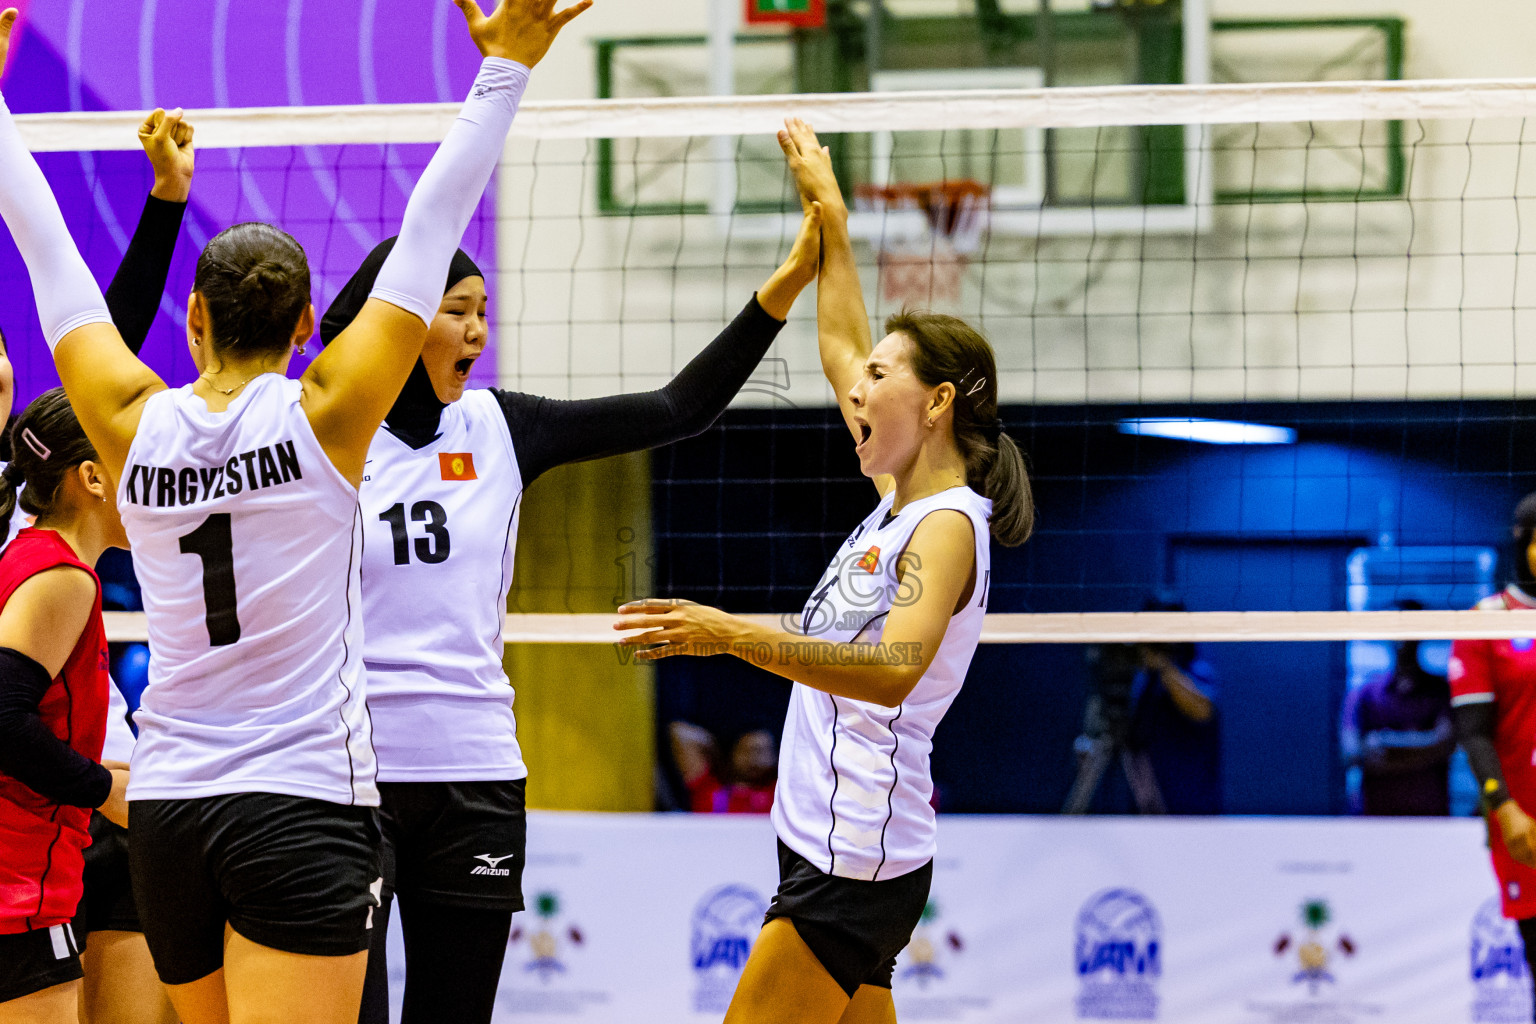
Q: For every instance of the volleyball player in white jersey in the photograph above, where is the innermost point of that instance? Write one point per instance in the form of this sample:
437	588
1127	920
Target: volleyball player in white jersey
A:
440	499
882	646
255	807
120	985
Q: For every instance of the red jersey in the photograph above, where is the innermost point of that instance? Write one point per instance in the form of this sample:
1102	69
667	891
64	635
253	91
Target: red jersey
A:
41	843
708	795
1503	672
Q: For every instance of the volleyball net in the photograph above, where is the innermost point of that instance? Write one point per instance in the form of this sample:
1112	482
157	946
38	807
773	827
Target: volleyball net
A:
1267	348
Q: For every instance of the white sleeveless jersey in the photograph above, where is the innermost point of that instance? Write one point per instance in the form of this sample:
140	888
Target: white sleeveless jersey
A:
854	782
120	739
246	544
441	528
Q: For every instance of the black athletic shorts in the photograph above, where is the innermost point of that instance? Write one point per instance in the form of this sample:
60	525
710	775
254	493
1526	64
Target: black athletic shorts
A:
460	844
107	905
286	872
33	961
854	927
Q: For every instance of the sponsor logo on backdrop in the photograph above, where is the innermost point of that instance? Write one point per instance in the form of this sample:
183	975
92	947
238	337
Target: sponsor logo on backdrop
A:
1311	954
1316	947
548	938
1118	956
930	983
1501	981
725	924
931	948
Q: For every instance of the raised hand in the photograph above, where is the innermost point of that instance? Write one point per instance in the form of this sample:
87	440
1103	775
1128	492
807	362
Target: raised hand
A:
7	22
811	164
167	141
520	30
799	269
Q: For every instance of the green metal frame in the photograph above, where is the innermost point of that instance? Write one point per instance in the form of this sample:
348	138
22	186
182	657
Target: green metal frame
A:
608	203
1394	32
832	60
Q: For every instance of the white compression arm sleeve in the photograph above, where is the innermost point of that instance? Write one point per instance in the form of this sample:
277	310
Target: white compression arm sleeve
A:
68	297
450	189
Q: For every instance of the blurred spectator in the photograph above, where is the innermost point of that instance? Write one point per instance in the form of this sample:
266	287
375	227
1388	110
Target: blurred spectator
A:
1175	723
741	785
1397	728
1152	709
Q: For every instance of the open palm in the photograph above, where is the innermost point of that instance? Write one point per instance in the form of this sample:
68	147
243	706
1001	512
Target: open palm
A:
520	30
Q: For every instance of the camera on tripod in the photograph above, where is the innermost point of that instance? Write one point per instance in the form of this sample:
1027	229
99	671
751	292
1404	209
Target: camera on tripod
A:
1113	669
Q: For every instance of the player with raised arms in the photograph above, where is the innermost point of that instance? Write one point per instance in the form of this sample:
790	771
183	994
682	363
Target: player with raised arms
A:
446	476
53	705
104	938
120	985
882	646
255	852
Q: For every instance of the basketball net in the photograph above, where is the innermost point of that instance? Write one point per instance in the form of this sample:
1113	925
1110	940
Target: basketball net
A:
928	267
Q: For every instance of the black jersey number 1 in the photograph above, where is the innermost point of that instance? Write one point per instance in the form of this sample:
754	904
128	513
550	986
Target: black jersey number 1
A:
213	543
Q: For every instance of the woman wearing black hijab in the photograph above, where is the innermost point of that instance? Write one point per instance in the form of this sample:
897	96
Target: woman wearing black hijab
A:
440	499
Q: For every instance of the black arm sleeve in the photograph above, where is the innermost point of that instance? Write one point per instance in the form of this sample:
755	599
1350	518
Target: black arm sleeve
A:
547	432
30	753
134	295
1475	725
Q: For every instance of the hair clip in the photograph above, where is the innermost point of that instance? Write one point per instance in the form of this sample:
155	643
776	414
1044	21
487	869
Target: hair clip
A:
974	387
38	448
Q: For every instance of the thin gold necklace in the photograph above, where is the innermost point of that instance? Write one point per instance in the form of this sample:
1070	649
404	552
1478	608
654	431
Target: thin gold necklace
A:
226	392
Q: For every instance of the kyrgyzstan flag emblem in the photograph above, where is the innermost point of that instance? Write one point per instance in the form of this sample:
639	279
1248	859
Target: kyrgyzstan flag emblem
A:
871	560
457	465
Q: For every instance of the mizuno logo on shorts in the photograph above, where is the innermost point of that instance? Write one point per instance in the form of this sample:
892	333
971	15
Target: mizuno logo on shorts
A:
490	867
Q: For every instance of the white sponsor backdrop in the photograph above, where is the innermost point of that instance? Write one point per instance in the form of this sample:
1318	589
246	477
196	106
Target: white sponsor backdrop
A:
641	918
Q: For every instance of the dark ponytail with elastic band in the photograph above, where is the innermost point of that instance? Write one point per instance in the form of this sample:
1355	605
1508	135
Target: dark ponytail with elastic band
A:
947	349
47	444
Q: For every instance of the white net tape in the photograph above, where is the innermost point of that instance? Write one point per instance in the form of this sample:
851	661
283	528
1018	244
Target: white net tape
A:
1095	107
1088	628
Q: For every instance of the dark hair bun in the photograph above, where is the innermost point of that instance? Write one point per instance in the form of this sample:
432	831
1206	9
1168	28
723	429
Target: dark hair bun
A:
263	282
255	280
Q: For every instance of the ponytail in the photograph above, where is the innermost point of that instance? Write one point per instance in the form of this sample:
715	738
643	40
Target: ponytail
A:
945	349
10	482
1013	501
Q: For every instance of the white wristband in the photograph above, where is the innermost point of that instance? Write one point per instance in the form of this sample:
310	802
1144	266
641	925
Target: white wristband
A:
68	297
449	191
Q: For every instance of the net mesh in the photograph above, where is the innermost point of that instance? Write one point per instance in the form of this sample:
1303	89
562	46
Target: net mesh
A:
1347	264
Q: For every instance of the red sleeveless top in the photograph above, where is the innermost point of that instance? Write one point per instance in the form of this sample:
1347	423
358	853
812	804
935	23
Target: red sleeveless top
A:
42	844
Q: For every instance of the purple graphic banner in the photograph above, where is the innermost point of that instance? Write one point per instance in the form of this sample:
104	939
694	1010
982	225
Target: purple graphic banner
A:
82	55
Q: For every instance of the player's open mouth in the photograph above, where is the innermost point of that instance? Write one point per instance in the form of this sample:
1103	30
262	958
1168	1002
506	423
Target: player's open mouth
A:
462	366
864	432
